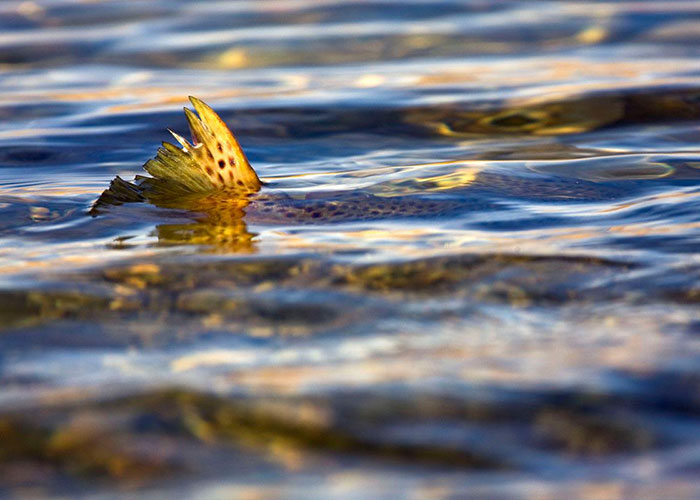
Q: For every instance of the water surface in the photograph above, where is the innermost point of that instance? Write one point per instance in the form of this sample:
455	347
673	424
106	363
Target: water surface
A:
535	339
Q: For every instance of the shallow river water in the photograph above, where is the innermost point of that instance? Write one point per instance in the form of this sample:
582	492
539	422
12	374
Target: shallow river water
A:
523	324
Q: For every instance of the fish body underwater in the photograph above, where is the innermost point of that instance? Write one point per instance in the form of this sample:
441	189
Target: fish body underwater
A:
212	175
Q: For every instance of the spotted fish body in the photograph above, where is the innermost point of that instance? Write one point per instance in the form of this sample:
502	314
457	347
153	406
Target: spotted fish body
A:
264	209
211	175
481	194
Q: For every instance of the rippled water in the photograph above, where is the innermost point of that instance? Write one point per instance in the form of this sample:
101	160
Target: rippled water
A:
530	332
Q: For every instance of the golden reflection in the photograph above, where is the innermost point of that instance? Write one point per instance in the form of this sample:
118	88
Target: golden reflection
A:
459	179
565	78
218	221
31	10
549	118
43	214
234	58
370	80
150	96
592	35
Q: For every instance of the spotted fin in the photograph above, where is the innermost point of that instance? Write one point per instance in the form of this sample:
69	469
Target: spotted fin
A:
214	160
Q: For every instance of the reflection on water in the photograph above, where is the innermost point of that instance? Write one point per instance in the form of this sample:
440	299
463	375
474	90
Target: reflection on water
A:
473	269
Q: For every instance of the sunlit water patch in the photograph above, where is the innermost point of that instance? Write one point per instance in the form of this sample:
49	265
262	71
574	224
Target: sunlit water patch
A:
473	269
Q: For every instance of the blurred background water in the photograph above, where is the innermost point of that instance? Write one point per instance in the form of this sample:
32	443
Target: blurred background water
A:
539	339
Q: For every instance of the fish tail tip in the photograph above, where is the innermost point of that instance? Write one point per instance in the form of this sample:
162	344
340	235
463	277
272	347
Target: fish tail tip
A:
199	104
195	123
181	140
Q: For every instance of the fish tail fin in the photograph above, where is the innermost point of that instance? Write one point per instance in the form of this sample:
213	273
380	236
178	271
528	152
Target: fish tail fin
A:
118	193
214	160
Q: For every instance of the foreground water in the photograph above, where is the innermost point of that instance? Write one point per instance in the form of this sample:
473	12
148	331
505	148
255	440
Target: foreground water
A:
536	337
